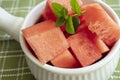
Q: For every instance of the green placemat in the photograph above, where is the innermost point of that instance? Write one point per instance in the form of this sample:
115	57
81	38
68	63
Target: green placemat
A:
12	61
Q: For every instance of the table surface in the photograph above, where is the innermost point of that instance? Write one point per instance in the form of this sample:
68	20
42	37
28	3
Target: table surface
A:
13	65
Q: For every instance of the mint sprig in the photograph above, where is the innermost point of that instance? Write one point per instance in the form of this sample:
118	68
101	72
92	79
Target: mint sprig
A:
71	21
75	7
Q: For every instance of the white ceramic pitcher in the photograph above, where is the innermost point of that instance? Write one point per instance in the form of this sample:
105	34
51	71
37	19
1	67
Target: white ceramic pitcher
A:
101	70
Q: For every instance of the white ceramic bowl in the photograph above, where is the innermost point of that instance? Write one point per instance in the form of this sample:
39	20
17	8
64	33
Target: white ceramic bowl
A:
101	70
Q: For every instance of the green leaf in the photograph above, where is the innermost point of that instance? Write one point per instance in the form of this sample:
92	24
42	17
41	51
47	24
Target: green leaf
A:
76	22
75	7
69	25
59	10
60	21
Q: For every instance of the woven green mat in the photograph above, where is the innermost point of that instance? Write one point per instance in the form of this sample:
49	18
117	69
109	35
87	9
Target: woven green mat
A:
12	61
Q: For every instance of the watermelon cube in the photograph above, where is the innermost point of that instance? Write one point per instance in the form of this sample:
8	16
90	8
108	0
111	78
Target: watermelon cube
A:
97	40
85	48
65	60
100	23
46	40
44	15
101	45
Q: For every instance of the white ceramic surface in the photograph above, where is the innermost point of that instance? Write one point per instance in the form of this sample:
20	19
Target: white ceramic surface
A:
101	70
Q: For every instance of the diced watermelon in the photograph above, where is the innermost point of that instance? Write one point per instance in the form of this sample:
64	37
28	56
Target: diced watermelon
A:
101	23
85	48
101	45
46	40
65	3
44	15
82	22
65	60
98	41
82	25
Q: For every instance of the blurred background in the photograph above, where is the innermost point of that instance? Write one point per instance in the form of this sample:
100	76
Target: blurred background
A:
13	65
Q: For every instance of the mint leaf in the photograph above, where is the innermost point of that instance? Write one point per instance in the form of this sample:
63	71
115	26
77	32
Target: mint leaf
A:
75	7
76	22
60	21
59	10
69	25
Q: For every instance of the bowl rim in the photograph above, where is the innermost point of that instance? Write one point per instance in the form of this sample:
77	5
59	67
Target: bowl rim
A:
82	70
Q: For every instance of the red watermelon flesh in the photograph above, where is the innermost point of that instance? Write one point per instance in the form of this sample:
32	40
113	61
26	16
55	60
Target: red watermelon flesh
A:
84	47
65	60
44	15
101	23
101	45
81	26
46	40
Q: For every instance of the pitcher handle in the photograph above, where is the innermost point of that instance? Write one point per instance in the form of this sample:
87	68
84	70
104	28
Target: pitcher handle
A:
10	24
